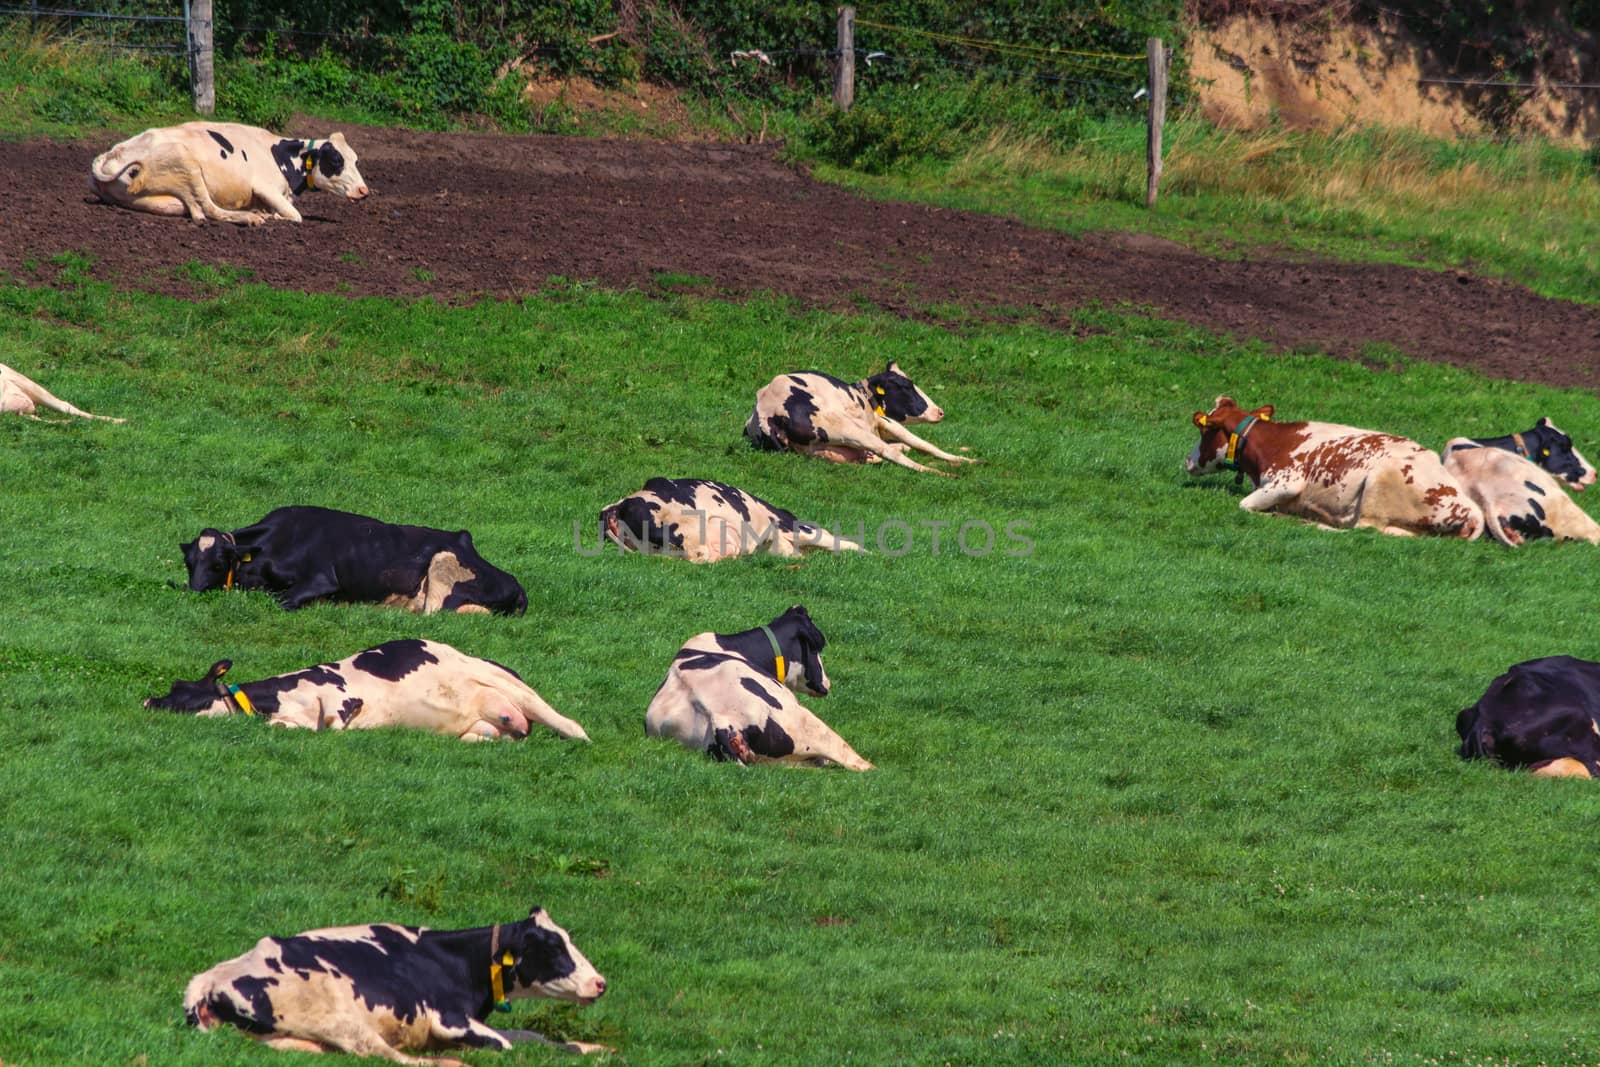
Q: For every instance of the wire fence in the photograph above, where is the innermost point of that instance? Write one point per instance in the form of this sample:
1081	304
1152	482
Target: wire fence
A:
885	52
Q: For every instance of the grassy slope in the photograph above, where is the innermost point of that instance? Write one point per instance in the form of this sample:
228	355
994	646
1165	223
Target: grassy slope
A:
1179	785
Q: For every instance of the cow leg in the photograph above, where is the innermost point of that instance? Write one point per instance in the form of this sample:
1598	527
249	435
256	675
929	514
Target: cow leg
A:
279	204
877	446
836	454
313	588
900	433
1269	496
355	1036
476	1034
495	710
809	537
285	1043
1565	767
519	1037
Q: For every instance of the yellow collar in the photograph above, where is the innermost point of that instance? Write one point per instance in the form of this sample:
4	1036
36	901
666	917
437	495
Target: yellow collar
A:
777	653
498	962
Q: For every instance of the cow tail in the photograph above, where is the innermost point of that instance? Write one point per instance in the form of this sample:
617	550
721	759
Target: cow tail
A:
770	435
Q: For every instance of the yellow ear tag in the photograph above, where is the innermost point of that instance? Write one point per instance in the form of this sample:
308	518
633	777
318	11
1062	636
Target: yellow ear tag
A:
227	583
1202	422
1544	452
778	660
878	410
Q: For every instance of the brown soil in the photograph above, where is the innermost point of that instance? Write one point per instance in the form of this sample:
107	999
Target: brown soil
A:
467	215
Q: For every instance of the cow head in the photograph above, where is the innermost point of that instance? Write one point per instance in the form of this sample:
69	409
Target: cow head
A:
1555	454
547	964
802	644
1216	426
900	398
333	167
213	560
196	696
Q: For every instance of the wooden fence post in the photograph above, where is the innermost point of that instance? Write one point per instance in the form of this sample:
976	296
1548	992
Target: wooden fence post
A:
1156	54
202	70
844	74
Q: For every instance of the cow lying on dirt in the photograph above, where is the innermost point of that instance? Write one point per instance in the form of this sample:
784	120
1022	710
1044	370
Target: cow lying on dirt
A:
1520	500
1543	714
222	170
374	990
819	415
704	521
21	395
1546	445
422	685
1336	476
732	695
305	553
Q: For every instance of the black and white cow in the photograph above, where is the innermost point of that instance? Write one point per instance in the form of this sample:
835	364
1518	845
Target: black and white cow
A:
1521	501
817	414
704	521
732	695
375	990
1546	445
1543	714
305	553
423	685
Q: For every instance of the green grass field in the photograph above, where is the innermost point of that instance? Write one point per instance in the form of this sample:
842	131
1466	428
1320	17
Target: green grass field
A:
1177	786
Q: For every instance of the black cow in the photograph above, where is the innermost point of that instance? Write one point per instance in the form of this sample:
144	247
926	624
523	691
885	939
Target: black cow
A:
1546	446
307	553
374	990
1543	714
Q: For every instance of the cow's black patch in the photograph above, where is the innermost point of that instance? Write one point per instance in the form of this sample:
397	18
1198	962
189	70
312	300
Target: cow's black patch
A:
286	155
773	741
675	490
1528	526
1533	488
259	1017
731	498
750	685
330	161
348	709
267	694
699	660
393	660
227	146
900	398
798	408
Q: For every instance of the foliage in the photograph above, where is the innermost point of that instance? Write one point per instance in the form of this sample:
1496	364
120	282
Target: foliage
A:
1178	785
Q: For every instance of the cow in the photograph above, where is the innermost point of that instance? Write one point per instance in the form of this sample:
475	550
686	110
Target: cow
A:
1542	714
21	395
377	989
1520	500
817	414
1336	476
224	171
422	685
303	553
732	696
1546	444
704	521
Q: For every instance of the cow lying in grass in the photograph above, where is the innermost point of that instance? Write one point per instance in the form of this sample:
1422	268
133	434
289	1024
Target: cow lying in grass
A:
224	171
704	521
1546	445
1542	714
423	685
817	414
375	990
1336	476
302	554
21	395
732	696
1520	500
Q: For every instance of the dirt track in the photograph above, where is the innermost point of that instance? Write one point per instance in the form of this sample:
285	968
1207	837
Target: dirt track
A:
463	215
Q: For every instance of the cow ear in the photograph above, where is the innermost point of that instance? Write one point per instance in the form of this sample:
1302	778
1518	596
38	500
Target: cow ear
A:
1264	411
535	911
1225	402
1200	419
218	669
894	368
1544	420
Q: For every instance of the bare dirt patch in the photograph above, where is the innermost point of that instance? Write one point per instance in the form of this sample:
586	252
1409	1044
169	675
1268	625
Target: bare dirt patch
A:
469	216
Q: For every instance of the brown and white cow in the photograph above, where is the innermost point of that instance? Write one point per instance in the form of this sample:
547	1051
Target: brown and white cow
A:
1521	501
817	414
704	521
222	170
1336	476
377	989
422	685
732	696
21	395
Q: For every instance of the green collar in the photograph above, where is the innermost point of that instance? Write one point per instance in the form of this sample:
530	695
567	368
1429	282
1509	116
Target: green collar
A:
1236	441
777	653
